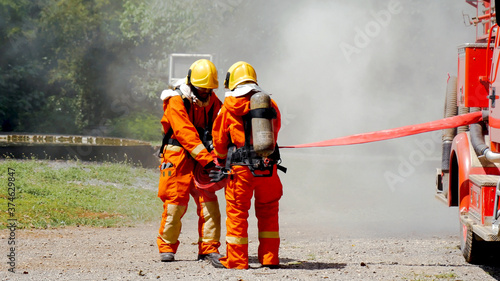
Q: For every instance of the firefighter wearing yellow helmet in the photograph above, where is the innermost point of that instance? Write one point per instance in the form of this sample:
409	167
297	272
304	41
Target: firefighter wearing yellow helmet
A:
252	171
239	73
189	111
202	79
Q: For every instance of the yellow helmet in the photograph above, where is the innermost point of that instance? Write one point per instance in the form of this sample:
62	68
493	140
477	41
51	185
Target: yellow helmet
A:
238	73
203	74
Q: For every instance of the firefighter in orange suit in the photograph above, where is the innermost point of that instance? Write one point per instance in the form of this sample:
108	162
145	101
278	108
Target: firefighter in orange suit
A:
189	112
229	133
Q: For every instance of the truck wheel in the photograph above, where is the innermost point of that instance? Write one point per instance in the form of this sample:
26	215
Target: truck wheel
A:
471	247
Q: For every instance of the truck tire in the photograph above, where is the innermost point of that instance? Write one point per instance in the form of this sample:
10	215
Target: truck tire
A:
471	247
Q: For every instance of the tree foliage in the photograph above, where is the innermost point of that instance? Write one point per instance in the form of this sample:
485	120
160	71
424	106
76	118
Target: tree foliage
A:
84	66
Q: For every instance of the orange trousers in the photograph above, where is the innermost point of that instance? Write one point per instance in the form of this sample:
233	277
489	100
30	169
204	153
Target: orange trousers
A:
176	184
239	192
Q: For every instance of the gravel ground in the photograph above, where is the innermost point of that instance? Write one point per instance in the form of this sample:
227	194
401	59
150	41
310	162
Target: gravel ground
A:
365	232
83	253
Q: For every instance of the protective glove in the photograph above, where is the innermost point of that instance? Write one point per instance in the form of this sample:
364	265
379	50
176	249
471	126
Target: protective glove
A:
217	174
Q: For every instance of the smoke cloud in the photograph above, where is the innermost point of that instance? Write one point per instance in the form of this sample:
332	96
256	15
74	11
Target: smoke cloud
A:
338	68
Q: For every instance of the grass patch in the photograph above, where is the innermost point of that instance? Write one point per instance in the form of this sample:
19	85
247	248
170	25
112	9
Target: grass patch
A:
62	193
311	257
449	275
442	276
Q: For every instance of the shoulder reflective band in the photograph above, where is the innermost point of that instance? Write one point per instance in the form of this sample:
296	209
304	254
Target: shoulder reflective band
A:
450	122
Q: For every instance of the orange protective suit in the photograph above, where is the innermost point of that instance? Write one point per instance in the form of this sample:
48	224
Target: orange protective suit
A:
176	177
241	185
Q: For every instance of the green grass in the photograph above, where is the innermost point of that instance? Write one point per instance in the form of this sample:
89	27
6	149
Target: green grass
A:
442	276
449	275
54	194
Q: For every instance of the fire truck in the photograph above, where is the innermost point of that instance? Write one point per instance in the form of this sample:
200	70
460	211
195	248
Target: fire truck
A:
469	177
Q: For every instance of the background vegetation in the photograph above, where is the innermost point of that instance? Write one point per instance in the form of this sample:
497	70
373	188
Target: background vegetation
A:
97	67
94	66
52	194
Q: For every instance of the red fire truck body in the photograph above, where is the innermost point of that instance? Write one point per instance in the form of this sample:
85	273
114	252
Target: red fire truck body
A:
469	177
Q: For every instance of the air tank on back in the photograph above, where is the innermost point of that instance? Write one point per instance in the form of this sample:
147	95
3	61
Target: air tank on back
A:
262	128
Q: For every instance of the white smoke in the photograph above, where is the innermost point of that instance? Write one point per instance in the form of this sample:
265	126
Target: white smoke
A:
338	68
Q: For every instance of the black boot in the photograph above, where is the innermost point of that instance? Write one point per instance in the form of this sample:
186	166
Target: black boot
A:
215	261
167	257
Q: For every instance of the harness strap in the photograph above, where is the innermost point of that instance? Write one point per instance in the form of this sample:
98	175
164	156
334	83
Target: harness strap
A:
267	113
245	155
174	142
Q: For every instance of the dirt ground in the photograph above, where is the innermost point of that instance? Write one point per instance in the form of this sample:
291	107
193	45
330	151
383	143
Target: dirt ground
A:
83	253
342	228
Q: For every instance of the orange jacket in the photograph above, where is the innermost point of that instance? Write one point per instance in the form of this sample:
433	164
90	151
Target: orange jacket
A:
184	124
228	126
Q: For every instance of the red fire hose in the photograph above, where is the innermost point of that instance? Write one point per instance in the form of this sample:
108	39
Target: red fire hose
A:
202	178
450	122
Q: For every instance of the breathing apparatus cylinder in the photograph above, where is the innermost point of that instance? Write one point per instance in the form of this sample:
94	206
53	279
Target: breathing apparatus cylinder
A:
262	128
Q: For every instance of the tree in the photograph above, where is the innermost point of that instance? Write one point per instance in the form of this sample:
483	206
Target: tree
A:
86	64
21	73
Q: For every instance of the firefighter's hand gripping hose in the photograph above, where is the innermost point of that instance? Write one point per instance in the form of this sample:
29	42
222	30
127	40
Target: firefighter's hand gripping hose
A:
218	174
450	122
